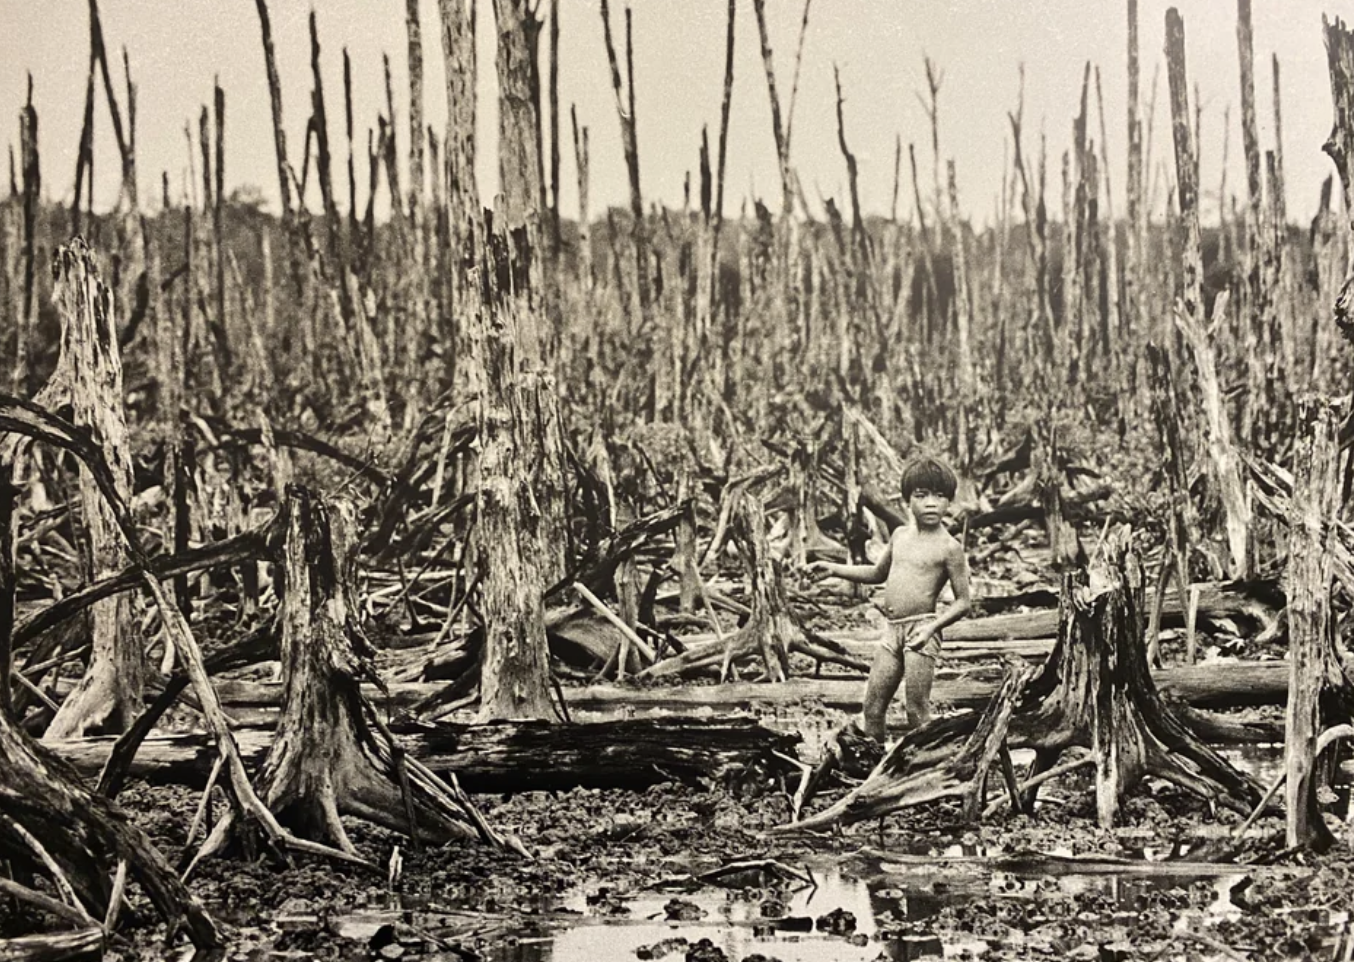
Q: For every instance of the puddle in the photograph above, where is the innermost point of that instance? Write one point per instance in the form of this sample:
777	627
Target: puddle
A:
891	902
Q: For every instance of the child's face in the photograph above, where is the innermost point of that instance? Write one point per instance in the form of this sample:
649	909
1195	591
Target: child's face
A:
928	507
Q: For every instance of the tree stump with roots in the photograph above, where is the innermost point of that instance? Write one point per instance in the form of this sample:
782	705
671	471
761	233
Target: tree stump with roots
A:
333	755
1094	692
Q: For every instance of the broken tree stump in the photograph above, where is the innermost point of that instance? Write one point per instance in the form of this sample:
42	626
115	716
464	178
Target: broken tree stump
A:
1318	691
332	754
945	758
88	378
1095	692
770	628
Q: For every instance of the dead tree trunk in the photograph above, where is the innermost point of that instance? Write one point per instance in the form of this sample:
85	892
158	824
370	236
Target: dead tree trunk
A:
1186	168
1339	147
1041	339
584	227
332	755
770	625
1189	316
1095	692
89	379
624	89
1314	672
275	101
1184	519
32	192
1133	189
518	533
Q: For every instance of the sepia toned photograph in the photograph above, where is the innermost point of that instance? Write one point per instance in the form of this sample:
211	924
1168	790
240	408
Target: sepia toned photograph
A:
721	481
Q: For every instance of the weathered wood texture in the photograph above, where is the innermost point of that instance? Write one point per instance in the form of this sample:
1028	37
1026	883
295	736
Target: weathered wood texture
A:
508	756
89	378
1312	658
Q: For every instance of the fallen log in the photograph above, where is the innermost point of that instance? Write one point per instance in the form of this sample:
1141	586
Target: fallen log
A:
1217	685
1214	686
87	943
631	753
1255	600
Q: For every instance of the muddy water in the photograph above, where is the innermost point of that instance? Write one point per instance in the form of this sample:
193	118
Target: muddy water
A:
882	905
890	905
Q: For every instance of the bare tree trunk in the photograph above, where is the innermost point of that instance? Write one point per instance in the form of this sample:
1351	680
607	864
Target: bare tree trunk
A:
1224	464
624	90
32	192
777	130
770	626
125	138
8	492
553	84
416	174
1036	227
963	304
584	227
1186	169
275	100
519	532
1189	315
84	159
219	232
1315	505
1339	147
89	378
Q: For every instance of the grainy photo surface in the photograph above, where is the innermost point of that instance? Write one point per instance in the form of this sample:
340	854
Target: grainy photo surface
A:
729	481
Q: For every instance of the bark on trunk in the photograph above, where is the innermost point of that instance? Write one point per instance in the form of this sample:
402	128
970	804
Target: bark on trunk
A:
519	528
89	378
331	754
1313	663
506	756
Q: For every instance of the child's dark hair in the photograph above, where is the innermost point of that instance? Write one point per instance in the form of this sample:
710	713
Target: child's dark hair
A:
930	475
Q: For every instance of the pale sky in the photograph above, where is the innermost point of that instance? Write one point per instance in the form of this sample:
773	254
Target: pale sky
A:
176	48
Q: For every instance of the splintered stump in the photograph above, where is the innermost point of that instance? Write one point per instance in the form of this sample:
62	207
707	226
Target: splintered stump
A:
332	755
945	758
770	627
88	378
51	824
1319	693
1093	693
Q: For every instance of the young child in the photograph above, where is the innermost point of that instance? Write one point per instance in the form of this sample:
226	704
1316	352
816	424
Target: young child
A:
921	557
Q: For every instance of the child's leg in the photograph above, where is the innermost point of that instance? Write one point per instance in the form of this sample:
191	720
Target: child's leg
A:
921	669
885	675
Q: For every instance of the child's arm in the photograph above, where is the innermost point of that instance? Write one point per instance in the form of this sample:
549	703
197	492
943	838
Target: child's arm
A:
956	566
868	574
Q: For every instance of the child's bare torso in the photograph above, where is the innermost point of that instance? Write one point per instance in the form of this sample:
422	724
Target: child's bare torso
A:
918	570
